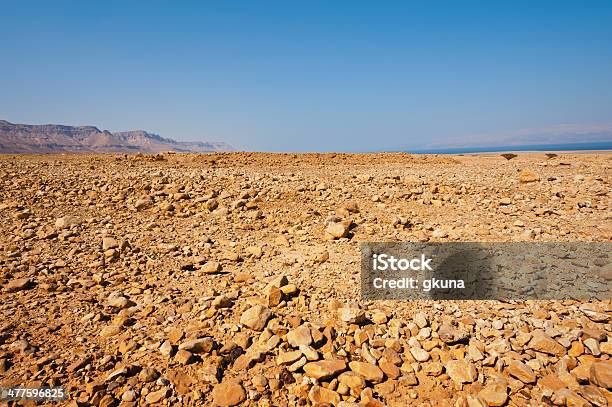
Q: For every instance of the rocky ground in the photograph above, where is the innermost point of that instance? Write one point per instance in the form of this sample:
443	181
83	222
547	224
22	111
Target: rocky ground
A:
233	279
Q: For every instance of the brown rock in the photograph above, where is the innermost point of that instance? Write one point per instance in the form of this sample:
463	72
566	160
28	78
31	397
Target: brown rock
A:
528	176
200	345
157	396
79	364
351	314
66	222
461	371
338	230
494	394
353	380
388	368
299	336
521	371
318	394
370	372
601	374
183	357
211	267
576	350
324	369
541	342
286	358
18	284
256	317
228	393
567	397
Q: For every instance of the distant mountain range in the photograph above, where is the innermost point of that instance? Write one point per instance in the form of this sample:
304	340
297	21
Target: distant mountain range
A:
551	135
54	138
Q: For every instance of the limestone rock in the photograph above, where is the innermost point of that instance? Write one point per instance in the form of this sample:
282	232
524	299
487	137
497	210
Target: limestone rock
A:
324	369
256	317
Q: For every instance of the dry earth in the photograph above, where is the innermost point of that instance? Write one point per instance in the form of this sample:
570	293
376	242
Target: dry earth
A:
230	279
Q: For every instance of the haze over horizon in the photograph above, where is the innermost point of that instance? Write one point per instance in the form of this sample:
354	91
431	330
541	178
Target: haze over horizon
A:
315	76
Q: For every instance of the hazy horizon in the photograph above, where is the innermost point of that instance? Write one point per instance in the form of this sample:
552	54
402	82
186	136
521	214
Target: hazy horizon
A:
315	76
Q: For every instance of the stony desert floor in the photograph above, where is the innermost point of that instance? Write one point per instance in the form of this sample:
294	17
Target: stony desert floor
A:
233	279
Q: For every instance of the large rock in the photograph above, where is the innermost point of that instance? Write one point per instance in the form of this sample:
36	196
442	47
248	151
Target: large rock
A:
66	222
461	371
450	334
494	394
199	345
287	358
337	230
601	374
370	372
318	394
352	314
419	354
18	284
324	369
353	380
299	336
229	393
542	342
256	317
527	176
109	243
521	371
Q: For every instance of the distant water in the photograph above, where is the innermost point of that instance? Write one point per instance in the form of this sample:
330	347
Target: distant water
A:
600	145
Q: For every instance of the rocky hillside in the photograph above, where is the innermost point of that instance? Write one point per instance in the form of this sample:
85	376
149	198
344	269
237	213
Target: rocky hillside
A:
53	138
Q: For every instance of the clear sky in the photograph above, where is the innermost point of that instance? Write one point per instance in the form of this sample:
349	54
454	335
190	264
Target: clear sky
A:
309	75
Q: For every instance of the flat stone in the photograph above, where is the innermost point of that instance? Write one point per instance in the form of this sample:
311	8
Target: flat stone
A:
421	319
109	243
389	369
286	358
567	397
66	222
576	349
110	330
18	284
200	345
157	396
542	342
324	369
521	371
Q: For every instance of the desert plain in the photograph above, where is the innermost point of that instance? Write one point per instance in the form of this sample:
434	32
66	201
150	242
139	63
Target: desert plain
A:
233	279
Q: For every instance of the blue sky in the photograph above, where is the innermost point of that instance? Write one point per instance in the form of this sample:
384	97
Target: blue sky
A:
312	75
